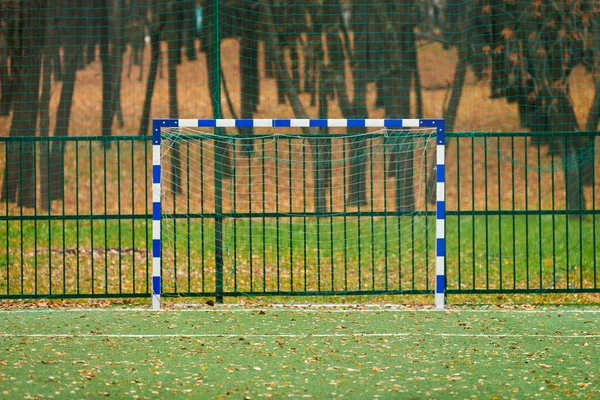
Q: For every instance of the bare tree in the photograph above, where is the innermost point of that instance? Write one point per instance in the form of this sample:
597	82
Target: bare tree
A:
249	77
5	78
72	44
396	30
19	181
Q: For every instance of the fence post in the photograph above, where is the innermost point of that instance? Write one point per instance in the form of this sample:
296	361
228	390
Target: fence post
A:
218	160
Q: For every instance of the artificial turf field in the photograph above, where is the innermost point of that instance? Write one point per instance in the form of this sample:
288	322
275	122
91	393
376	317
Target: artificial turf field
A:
306	352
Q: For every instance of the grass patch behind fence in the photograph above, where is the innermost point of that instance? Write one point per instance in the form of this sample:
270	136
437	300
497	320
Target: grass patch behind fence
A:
544	253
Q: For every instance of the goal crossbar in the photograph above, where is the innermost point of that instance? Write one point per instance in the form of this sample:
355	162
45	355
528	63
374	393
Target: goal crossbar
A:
433	123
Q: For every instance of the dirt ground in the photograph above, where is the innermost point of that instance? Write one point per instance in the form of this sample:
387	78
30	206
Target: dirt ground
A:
528	166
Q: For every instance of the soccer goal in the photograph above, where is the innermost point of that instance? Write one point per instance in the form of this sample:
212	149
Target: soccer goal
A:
297	207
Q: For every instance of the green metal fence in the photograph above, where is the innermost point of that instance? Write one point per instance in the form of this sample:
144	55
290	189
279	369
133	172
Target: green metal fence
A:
80	81
522	218
94	242
509	227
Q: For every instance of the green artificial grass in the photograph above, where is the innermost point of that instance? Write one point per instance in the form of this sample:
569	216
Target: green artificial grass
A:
286	352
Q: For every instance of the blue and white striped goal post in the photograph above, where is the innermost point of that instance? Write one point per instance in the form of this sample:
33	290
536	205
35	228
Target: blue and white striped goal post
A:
438	124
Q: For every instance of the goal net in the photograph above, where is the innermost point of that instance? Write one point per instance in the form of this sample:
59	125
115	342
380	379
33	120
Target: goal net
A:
298	207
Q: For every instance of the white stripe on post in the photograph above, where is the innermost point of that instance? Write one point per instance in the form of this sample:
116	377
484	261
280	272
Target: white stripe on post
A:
185	123
337	123
263	123
225	123
300	123
411	123
374	123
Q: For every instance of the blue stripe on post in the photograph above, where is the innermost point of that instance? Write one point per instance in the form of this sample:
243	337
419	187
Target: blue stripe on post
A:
284	123
155	132
156	211
440	173
440	209
155	248
440	248
156	174
356	123
440	284
393	123
244	123
156	285
441	137
318	123
207	123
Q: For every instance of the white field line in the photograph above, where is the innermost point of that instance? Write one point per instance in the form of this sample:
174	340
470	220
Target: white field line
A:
286	335
304	309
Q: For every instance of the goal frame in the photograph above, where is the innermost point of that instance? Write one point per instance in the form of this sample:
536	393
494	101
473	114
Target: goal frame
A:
440	209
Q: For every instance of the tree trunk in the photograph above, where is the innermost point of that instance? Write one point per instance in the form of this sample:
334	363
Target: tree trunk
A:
102	13
118	38
150	82
292	95
313	54
362	22
91	31
211	44
449	115
156	27
587	154
289	89
44	111
322	146
593	119
564	120
73	49
189	28
19	175
174	57
249	71
416	76
5	79
396	71
53	42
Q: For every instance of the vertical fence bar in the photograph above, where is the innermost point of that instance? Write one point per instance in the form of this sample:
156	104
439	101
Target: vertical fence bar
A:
263	209
132	188
7	147
216	99
291	210
499	183
233	179
277	244
487	214
77	226
473	224
459	212
64	238
91	202
105	219
119	208
21	219
203	224
526	190
188	208
146	211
